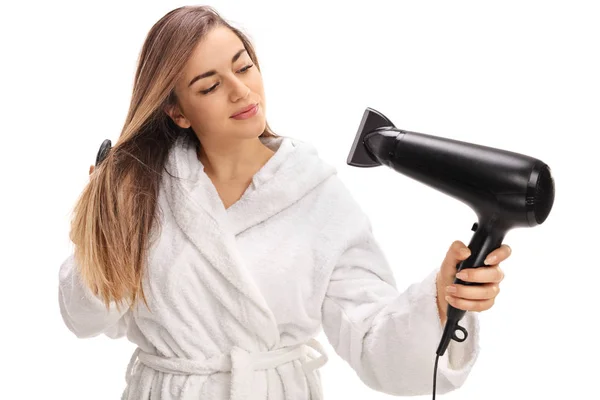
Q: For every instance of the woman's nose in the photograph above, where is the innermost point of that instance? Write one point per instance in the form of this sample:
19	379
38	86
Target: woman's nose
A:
240	90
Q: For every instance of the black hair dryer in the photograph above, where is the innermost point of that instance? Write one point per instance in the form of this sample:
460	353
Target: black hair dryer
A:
505	189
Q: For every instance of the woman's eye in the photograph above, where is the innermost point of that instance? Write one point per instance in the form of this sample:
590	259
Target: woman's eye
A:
210	89
213	87
246	68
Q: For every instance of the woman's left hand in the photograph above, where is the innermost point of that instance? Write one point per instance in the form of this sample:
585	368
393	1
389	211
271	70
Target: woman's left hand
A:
466	297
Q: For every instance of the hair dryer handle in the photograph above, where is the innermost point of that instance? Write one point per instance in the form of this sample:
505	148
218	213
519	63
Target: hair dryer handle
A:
486	239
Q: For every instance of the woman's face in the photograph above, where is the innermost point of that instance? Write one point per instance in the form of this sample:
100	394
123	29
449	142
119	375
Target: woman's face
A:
218	81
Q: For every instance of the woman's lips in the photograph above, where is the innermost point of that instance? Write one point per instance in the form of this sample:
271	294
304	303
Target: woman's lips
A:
247	112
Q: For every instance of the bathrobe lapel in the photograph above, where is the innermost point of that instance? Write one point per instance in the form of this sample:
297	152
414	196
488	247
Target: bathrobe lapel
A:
200	214
298	171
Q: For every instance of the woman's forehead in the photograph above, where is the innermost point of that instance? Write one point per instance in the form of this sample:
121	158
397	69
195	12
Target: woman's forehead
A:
216	50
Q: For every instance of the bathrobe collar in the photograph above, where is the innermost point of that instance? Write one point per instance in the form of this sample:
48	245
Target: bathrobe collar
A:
292	172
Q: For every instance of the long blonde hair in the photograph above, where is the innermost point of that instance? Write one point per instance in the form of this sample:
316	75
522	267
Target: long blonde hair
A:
115	213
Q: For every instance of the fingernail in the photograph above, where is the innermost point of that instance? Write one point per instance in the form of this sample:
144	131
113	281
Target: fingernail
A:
465	252
461	275
490	260
451	289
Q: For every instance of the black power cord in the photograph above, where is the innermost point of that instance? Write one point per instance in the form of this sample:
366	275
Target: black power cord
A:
437	357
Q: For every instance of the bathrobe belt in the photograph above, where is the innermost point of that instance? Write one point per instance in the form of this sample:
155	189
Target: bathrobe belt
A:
241	364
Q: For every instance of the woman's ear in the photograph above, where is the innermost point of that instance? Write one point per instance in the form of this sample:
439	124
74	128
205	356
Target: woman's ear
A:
177	116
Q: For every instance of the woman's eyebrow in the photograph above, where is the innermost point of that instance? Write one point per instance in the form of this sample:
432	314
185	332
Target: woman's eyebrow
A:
212	72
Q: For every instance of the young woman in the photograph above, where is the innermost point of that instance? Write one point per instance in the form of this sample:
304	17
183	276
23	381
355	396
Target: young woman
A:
220	248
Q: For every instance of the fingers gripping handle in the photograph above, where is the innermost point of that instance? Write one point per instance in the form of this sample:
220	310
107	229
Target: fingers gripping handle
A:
488	237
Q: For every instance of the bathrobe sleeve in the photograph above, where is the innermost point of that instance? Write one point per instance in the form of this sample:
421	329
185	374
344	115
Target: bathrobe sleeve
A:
83	313
390	338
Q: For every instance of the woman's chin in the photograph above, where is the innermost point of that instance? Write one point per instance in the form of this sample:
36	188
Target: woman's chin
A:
253	128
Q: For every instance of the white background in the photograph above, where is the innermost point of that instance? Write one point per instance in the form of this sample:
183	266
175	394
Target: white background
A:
517	75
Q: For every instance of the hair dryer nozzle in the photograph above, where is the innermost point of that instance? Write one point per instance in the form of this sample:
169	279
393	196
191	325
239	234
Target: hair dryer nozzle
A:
360	156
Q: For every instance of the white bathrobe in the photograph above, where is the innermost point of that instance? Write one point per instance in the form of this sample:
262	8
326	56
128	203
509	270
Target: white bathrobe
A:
236	295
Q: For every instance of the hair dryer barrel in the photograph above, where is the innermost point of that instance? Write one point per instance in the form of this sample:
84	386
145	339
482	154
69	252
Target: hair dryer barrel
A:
491	181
